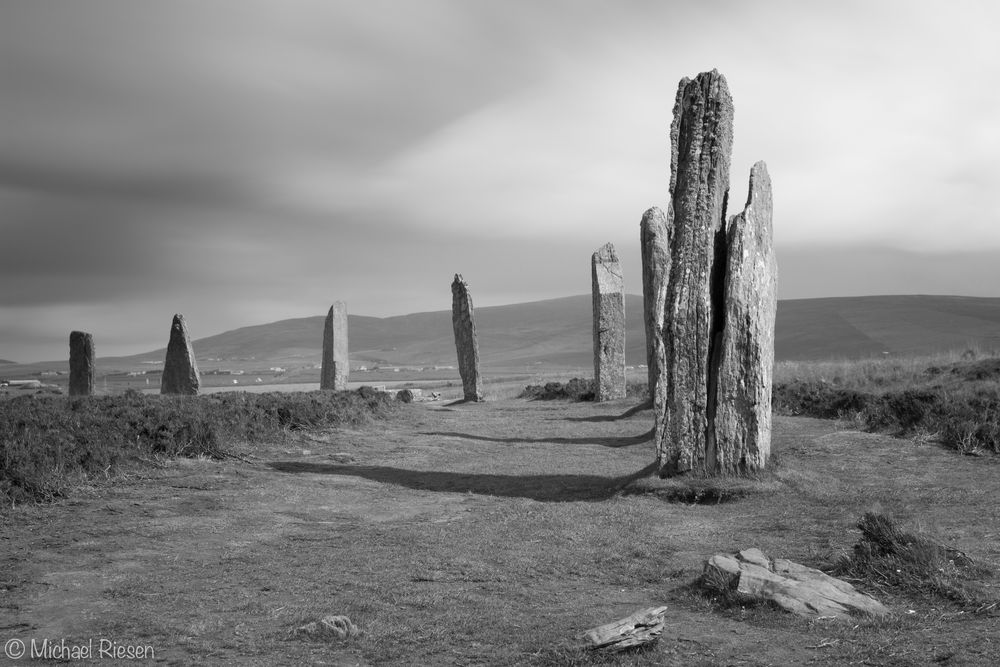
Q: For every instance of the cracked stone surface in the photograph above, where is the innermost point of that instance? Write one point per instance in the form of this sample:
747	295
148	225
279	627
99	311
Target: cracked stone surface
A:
609	324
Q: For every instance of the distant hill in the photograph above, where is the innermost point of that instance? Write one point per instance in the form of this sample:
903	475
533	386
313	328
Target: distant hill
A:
557	332
4	361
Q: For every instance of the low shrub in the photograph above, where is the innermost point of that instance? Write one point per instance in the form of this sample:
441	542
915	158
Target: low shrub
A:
576	389
965	416
48	443
888	558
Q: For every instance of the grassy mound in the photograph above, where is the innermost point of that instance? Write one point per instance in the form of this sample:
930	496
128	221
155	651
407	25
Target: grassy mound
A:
48	443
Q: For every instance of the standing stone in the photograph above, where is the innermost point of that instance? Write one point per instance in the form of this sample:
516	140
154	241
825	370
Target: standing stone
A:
336	365
81	364
464	323
746	357
180	370
701	145
609	324
654	241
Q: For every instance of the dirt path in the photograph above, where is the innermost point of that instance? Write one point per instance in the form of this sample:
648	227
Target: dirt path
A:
463	534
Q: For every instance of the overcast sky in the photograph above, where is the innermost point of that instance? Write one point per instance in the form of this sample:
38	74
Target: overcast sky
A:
244	161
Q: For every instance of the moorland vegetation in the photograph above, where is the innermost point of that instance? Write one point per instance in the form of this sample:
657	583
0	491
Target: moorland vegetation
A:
49	443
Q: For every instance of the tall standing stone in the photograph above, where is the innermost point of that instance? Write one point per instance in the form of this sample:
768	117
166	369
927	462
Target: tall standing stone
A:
336	364
719	311
464	324
654	242
180	370
609	324
746	356
701	146
81	364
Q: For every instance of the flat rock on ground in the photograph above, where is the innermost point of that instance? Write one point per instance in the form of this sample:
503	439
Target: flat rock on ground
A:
796	588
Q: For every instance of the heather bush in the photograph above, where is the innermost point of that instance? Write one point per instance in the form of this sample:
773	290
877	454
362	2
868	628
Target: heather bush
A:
47	443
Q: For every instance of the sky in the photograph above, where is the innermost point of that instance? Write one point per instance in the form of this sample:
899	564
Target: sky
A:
246	161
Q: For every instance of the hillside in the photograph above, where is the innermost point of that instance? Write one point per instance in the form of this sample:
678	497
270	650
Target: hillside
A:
557	332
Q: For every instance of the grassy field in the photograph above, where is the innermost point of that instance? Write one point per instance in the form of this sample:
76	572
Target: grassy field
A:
494	533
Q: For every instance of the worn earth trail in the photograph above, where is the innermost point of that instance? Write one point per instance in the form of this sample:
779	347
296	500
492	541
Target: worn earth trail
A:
467	533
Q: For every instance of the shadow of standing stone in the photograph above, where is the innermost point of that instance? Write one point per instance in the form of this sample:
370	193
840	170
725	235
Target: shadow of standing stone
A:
180	370
81	364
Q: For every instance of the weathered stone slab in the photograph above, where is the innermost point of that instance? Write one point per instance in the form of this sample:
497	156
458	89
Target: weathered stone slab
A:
608	290
796	588
642	627
81	364
336	368
654	242
701	146
746	356
180	369
464	324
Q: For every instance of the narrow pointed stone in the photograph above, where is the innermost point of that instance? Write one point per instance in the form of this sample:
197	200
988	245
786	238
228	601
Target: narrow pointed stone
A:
81	364
180	369
464	323
701	146
746	360
609	324
336	367
654	243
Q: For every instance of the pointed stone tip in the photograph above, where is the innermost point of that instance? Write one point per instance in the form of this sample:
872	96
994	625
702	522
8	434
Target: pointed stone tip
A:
760	180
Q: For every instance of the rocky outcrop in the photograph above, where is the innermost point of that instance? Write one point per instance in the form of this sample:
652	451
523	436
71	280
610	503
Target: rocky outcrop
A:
180	370
795	588
608	290
654	243
746	355
336	368
713	413
464	324
81	364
